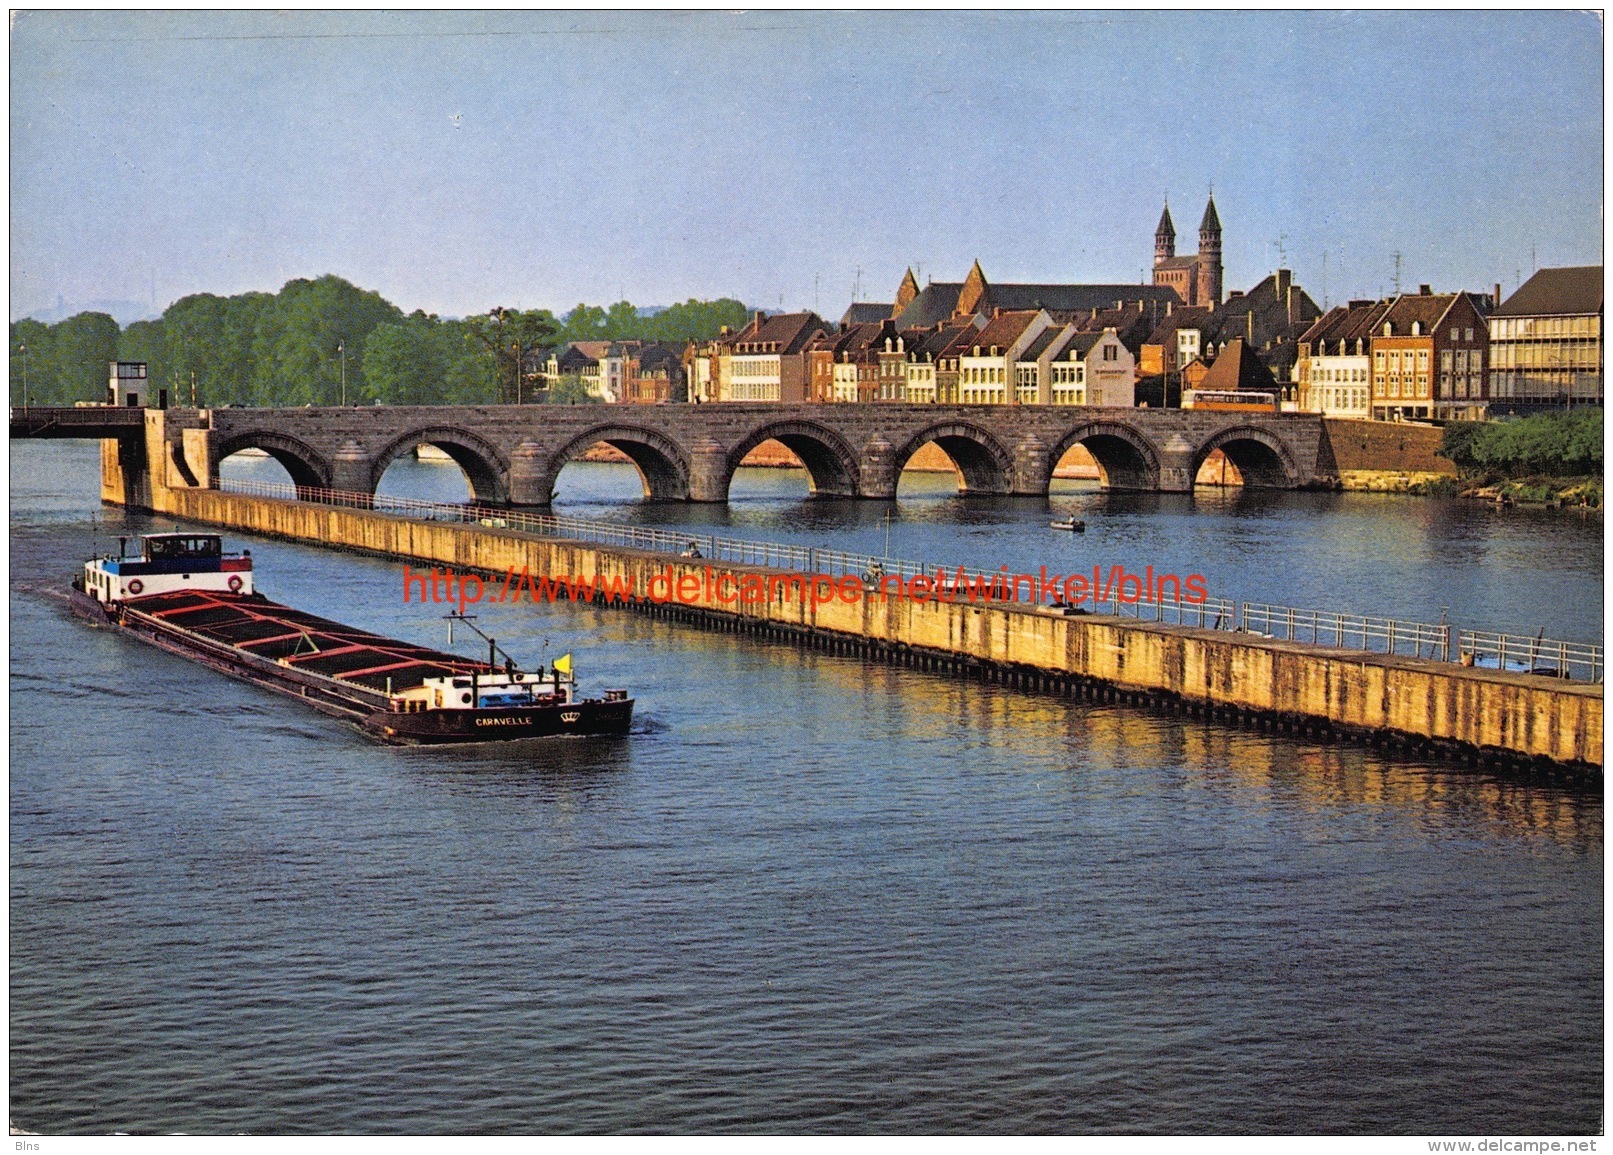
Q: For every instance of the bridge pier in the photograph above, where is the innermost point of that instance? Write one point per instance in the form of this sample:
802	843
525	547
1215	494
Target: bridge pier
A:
350	471
1176	465
1033	471
708	472
531	483
876	479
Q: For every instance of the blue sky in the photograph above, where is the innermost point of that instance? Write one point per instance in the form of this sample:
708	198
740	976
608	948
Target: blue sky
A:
454	161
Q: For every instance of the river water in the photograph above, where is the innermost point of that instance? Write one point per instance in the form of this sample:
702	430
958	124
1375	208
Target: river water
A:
806	894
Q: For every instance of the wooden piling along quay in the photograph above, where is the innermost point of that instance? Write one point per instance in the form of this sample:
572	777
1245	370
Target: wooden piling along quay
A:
1415	706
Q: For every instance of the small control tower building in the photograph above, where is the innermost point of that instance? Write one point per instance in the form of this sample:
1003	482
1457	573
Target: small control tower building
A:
127	386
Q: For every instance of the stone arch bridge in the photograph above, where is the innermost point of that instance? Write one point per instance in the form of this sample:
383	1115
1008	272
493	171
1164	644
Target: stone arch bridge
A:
513	454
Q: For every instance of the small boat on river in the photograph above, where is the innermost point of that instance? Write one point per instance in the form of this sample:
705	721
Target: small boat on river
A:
1074	525
184	594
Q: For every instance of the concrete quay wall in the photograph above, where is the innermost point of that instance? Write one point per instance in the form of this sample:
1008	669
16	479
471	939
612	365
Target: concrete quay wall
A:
1516	716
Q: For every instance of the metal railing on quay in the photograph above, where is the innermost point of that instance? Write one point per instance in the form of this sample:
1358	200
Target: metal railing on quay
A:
1347	631
1537	655
1442	642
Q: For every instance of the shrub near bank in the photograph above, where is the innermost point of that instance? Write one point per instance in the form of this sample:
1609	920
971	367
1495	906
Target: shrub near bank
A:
1548	457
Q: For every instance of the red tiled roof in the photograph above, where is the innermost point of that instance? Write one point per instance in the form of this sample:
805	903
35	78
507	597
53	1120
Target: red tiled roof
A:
1422	309
1346	322
1238	368
1004	329
780	333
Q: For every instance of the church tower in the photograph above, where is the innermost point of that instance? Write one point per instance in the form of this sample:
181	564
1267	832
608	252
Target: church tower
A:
1164	238
1209	263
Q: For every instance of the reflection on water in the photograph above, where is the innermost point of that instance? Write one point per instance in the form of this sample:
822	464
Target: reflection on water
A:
806	894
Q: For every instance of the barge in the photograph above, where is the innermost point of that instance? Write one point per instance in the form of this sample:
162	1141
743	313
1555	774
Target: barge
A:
183	593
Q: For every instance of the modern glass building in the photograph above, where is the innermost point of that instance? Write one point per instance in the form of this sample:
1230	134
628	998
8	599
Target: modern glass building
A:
1546	343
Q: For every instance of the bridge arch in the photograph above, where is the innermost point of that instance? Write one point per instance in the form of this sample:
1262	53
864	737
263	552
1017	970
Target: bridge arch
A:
485	467
1260	457
309	469
663	464
1126	457
985	463
831	464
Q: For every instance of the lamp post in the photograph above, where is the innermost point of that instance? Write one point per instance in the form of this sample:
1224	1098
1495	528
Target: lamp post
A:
501	317
25	377
341	350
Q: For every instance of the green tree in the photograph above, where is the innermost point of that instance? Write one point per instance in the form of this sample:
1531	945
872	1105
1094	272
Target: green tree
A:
201	336
407	363
585	323
288	348
1561	444
143	341
695	320
314	336
622	323
31	355
511	337
1457	444
1582	443
234	377
81	350
472	378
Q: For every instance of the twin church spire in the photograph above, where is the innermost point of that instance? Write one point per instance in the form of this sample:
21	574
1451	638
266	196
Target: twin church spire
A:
1197	279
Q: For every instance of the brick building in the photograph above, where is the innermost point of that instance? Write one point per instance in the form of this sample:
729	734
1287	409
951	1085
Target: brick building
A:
655	374
932	360
1429	352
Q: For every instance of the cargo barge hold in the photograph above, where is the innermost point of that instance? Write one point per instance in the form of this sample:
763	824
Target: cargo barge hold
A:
183	594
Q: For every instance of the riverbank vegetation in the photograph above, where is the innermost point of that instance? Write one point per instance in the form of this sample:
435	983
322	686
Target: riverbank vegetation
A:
318	341
1550	457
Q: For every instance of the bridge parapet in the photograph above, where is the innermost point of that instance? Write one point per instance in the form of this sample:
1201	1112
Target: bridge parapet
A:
78	421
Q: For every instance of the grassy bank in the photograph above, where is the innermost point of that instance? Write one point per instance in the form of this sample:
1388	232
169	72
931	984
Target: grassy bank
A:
1572	491
1551	458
